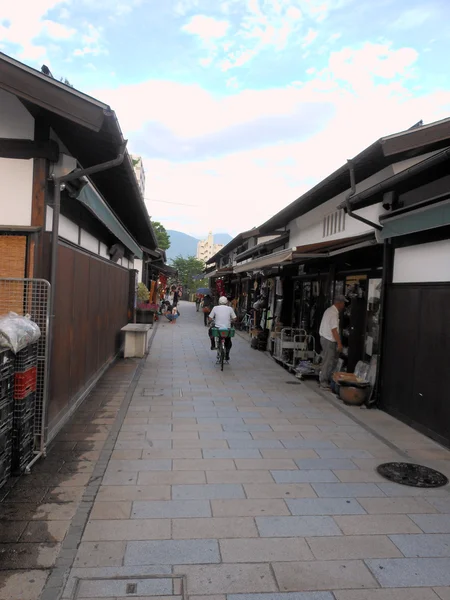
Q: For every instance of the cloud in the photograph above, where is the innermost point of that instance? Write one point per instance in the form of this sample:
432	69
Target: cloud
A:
254	151
91	42
206	27
21	27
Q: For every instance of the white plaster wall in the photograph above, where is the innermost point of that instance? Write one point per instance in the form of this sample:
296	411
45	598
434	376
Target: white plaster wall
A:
424	263
104	250
88	241
16	176
68	230
308	229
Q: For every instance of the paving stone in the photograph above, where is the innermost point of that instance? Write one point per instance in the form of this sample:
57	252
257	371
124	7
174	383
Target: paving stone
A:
43	531
207	492
396	505
294	453
228	579
152	588
397	490
279	490
248	508
264	550
411	572
100	554
214	528
313	444
127	529
265	464
323	575
115	478
379	594
432	523
325	506
157	453
255	444
110	510
13	584
171	478
296	526
169	552
353	547
325	463
423	545
339	453
123	493
376	524
321	475
347	490
170	509
232	453
210	464
443	592
283	596
239	476
225	435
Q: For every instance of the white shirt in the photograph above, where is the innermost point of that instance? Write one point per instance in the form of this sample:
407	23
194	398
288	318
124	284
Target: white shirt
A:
330	321
222	316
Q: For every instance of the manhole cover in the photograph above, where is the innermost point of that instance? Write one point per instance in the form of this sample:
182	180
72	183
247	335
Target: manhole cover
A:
413	475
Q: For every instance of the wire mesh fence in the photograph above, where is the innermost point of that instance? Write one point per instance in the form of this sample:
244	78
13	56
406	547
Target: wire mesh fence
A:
32	297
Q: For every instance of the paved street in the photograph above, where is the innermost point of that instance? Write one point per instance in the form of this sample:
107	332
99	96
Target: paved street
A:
240	483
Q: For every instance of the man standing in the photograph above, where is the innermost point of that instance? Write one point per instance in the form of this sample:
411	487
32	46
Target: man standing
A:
330	340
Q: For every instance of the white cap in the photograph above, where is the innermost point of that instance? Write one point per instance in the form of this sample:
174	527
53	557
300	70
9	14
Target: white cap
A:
223	300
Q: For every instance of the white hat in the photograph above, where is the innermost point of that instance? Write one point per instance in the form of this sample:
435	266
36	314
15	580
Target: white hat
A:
223	300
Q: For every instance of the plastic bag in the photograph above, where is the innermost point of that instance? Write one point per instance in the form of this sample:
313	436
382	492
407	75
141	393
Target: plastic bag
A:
17	332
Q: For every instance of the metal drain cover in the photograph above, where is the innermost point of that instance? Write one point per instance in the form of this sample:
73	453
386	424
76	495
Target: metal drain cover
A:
412	475
148	587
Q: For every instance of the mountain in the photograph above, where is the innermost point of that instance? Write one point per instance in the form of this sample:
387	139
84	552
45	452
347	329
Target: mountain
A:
181	244
186	245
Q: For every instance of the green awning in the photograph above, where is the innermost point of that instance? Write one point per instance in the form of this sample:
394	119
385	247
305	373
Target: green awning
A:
95	203
420	219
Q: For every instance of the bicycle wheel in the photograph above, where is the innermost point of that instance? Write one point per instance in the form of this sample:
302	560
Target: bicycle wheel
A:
222	354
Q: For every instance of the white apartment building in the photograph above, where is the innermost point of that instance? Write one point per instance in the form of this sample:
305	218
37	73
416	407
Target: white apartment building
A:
138	167
207	248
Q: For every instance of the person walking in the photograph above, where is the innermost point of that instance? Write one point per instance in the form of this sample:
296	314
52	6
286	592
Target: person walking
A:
330	340
207	307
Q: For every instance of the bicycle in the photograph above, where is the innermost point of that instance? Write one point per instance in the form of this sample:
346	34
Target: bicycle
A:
220	335
245	322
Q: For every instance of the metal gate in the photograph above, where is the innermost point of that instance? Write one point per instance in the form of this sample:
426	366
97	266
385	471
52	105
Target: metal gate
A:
32	297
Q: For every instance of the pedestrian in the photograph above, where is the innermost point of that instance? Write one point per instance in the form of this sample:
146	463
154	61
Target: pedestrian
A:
172	314
330	340
207	307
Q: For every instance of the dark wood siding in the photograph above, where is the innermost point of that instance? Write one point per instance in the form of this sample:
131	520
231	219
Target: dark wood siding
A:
416	373
90	309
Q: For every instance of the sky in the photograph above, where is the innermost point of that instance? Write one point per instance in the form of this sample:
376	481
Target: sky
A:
240	106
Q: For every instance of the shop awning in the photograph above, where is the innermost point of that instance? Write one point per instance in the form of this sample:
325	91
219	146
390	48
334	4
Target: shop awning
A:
271	260
95	203
416	218
308	251
219	273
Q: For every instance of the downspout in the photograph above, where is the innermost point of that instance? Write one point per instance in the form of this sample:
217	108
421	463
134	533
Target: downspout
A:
58	184
348	206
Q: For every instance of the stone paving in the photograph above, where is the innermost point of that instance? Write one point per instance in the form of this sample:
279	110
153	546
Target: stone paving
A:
241	486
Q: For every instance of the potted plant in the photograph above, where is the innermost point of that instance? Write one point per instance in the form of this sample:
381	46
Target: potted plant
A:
145	312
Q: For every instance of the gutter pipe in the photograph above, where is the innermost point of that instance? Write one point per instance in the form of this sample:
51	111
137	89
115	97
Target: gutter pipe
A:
58	183
348	206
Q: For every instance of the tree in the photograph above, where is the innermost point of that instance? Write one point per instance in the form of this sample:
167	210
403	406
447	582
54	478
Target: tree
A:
161	235
187	269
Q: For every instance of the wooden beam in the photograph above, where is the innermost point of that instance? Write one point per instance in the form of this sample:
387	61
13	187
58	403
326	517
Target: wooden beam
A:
26	149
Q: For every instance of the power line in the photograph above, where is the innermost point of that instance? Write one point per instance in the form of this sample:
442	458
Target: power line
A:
167	202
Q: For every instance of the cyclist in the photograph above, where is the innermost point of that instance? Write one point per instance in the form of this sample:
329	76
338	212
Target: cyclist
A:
223	316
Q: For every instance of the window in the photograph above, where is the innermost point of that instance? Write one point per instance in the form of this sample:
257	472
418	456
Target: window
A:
333	223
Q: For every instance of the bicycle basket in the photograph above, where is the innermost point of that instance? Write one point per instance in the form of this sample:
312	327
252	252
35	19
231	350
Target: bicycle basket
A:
225	333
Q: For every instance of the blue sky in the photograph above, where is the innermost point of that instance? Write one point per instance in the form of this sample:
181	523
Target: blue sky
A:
239	106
